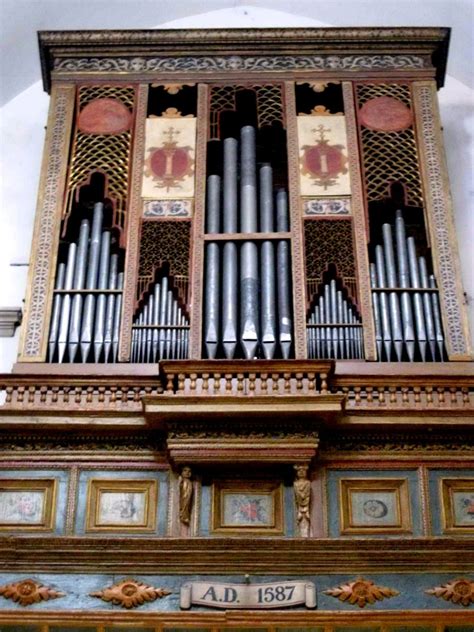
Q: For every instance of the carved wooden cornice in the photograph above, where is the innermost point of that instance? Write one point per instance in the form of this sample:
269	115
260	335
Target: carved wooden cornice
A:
235	555
10	318
342	394
142	53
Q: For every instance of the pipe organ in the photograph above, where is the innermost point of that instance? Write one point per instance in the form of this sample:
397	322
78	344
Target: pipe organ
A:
243	398
242	219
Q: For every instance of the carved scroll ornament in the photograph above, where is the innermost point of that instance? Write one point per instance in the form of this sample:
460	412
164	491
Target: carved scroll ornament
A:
361	592
130	593
29	591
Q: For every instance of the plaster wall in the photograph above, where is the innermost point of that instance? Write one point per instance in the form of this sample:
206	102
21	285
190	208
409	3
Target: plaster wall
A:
22	128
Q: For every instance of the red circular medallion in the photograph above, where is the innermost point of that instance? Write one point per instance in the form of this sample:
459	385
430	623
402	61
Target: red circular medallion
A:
104	116
385	114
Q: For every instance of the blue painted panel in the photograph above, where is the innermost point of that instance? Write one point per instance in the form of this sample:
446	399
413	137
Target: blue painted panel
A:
289	511
77	589
162	507
205	517
436	501
62	480
332	490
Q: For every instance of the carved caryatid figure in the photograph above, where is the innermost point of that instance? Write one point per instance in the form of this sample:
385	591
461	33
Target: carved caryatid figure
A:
185	495
302	487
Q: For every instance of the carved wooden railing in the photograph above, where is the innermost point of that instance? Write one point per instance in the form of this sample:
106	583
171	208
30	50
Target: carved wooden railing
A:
367	387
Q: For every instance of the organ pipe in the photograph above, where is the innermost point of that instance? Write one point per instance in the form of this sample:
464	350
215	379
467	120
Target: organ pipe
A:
404	307
247	286
87	300
334	329
160	328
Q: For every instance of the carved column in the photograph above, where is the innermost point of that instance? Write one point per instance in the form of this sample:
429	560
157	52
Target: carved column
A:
440	220
34	335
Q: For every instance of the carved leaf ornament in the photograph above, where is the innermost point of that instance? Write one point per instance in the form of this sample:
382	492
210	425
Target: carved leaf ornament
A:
29	591
130	593
361	592
460	591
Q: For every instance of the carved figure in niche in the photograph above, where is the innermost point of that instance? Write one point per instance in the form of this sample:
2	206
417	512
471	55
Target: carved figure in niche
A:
302	487
185	495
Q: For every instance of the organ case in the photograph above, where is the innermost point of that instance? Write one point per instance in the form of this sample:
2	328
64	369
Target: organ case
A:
252	209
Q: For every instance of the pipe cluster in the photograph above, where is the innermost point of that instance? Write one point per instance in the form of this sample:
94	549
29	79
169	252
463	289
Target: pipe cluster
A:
160	328
405	300
334	327
247	286
87	298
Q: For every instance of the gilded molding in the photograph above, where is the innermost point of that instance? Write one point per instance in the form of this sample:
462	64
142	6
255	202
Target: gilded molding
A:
361	592
34	336
440	220
359	223
297	247
216	555
458	591
29	591
251	63
134	219
130	593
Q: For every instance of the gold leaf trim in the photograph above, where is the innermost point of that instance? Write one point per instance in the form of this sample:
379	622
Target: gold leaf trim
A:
361	592
459	591
29	591
130	593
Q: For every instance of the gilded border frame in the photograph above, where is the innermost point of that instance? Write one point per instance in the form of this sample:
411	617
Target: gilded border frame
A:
399	486
272	488
97	486
49	487
448	487
52	184
439	214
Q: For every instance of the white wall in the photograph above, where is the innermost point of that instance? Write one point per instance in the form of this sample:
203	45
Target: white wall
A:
22	122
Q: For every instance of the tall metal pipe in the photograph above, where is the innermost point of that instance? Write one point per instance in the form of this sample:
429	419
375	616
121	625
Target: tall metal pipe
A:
78	284
249	278
328	306
117	318
99	319
376	306
169	313
156	320
229	255
417	299
395	316
66	302
437	317
109	311
384	303
323	318
56	314
428	307
285	319
149	331
335	330
340	320
91	281
404	282
267	265
212	294
163	302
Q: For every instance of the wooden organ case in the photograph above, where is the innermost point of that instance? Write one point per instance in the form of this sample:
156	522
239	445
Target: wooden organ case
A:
243	397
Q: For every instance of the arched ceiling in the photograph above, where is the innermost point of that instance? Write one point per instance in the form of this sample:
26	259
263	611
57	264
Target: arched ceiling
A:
21	19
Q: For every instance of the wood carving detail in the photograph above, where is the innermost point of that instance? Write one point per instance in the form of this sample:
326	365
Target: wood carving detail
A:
302	489
459	591
29	591
361	592
130	593
185	495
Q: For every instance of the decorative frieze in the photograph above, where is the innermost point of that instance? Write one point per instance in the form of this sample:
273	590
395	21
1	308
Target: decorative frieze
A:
458	591
29	591
361	592
130	593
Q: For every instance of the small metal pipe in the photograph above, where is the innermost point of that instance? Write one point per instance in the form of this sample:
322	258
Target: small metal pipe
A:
66	302
99	319
428	308
56	314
